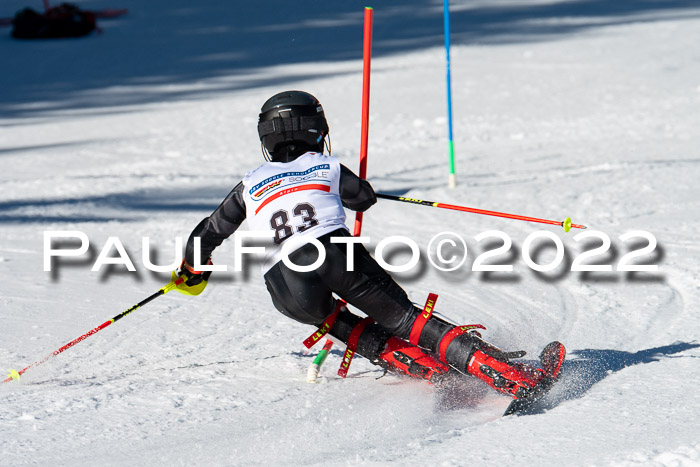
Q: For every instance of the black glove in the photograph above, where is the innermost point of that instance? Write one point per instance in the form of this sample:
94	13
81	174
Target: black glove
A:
191	276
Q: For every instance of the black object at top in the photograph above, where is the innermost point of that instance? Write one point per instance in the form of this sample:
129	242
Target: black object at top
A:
65	20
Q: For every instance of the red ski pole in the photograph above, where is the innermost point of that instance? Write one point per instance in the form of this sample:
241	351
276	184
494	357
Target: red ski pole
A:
566	223
14	374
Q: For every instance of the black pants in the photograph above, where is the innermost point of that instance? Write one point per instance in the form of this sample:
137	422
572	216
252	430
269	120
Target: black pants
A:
307	297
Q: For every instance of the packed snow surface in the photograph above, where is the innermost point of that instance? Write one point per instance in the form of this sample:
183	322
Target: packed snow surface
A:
574	108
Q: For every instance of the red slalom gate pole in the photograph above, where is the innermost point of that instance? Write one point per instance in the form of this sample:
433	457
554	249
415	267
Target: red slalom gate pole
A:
565	223
170	286
315	367
366	66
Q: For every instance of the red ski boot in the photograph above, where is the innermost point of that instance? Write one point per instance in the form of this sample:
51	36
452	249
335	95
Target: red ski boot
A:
401	357
514	379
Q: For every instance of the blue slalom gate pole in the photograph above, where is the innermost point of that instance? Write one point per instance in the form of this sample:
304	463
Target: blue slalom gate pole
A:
452	178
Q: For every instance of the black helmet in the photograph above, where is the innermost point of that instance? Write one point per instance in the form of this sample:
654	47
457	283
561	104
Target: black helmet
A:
292	123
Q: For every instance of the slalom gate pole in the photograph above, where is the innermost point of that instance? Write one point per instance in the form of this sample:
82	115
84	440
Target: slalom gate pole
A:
14	374
566	224
452	178
315	367
366	65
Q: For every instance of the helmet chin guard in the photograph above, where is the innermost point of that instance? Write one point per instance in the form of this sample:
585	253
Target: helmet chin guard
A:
291	123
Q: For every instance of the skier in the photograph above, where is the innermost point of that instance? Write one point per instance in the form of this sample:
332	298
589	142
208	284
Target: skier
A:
300	193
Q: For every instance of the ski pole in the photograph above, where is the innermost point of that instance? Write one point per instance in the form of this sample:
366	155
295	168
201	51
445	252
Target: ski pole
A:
566	223
14	374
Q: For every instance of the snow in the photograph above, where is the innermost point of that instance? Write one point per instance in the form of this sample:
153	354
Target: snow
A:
562	108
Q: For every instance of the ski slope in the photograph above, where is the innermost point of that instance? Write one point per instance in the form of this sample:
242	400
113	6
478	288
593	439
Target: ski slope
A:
562	108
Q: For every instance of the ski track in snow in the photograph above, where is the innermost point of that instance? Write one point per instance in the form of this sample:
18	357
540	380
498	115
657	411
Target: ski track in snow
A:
561	109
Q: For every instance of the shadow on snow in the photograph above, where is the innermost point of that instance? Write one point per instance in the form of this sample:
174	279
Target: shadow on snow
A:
593	365
139	204
579	374
162	51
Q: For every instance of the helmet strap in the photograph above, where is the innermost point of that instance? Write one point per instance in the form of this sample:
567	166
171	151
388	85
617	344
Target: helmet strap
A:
266	153
327	144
